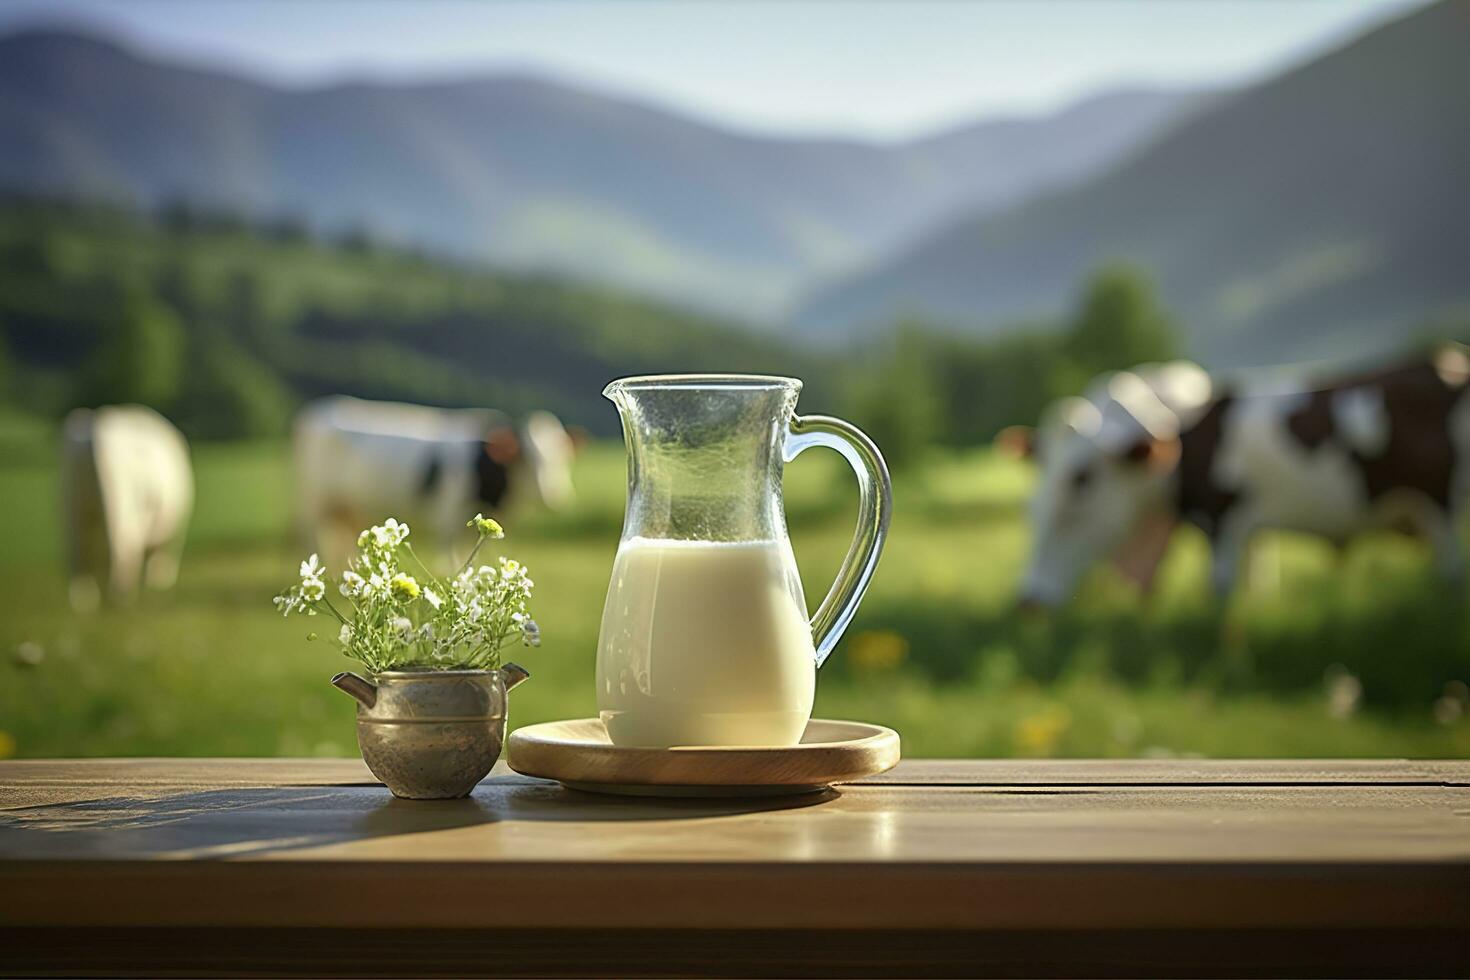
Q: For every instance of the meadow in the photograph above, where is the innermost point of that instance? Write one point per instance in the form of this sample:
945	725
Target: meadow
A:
1322	656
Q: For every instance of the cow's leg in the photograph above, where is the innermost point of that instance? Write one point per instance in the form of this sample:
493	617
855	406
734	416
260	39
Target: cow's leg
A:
84	523
450	532
1231	549
1262	571
126	554
162	568
1418	514
451	504
87	557
315	522
85	593
334	537
1442	529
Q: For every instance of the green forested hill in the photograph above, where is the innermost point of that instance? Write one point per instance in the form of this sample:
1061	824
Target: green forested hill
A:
227	327
1321	215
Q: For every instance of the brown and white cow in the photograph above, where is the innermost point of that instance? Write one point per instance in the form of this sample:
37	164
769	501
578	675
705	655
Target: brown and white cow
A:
1146	449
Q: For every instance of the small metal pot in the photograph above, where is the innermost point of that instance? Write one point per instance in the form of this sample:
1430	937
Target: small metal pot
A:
431	734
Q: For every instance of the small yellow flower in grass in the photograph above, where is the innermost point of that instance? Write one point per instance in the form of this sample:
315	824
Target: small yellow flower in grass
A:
878	649
1039	733
404	587
7	745
487	527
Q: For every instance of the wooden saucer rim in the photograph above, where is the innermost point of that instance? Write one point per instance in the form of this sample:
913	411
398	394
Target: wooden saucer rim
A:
548	751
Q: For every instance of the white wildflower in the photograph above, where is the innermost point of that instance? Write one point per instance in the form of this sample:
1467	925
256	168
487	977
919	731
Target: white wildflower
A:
352	585
383	537
390	534
312	568
312	590
433	599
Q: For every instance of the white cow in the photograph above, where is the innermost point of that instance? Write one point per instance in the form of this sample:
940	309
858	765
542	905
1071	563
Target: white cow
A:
127	490
1144	450
358	462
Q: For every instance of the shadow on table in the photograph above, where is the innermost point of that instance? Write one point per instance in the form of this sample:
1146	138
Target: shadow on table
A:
244	821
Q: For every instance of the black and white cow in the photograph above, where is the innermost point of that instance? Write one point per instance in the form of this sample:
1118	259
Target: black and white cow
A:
1144	450
358	462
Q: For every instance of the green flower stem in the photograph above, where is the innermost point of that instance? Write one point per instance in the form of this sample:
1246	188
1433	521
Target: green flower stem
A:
422	567
479	543
332	609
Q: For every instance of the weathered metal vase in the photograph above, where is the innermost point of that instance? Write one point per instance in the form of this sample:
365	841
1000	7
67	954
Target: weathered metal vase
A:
431	734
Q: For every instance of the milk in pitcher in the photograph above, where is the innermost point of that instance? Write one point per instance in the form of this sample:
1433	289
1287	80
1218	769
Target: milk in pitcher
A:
705	643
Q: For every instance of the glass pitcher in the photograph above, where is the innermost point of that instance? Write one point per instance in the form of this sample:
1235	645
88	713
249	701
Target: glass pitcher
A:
705	636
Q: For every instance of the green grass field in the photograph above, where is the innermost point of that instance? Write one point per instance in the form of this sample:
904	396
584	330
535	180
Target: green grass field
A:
936	652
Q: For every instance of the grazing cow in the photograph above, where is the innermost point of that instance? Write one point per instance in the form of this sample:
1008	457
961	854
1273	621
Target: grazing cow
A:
1146	449
127	491
358	462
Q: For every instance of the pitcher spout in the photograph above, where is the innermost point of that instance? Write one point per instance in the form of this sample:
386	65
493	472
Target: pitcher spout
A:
359	687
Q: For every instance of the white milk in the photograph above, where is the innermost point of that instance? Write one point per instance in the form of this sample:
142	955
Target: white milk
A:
705	643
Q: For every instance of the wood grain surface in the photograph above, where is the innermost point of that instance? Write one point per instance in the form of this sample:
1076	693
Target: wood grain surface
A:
187	865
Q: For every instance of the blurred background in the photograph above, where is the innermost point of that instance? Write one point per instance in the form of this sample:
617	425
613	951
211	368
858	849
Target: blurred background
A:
942	217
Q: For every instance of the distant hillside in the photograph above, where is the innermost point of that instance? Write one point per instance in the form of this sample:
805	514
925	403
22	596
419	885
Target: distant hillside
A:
227	328
1319	215
528	172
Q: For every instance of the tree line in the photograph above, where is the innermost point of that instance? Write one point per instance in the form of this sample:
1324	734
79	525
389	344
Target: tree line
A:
227	327
924	384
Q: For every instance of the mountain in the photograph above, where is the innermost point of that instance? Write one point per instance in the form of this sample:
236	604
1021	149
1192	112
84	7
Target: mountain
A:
531	173
1319	215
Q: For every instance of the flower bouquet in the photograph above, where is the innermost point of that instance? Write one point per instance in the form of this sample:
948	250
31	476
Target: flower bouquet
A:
431	720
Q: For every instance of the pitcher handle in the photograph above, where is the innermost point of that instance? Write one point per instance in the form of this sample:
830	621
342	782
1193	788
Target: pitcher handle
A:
875	509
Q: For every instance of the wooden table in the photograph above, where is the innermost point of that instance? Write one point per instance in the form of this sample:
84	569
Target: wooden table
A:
938	868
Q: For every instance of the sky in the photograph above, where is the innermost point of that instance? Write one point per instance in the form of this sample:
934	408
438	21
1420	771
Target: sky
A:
883	71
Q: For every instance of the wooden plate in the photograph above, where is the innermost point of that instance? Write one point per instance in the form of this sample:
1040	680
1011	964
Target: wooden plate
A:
578	754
